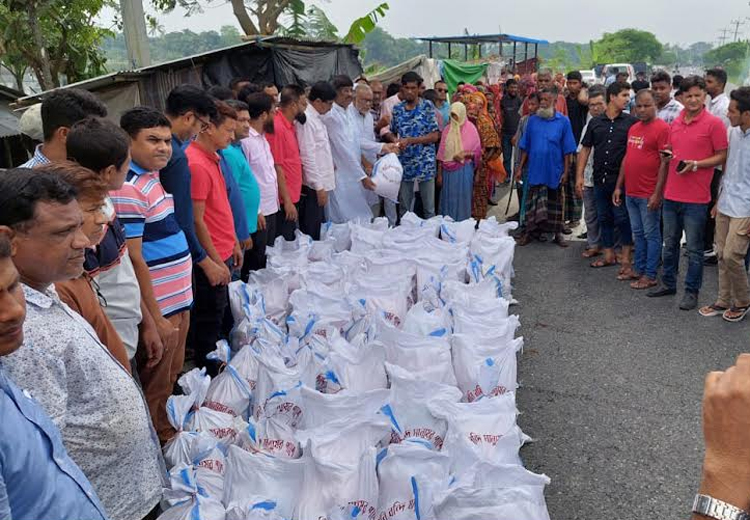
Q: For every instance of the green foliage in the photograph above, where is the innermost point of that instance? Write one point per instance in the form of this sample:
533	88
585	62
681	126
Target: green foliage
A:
732	57
382	49
627	45
365	24
54	38
319	27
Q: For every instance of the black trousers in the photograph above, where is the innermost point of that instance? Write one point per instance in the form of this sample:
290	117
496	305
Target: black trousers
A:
311	215
286	228
255	258
207	316
710	229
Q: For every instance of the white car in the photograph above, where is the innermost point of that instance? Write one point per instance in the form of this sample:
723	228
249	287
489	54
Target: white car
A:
589	77
613	68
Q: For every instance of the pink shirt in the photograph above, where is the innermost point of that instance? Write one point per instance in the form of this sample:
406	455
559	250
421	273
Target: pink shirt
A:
699	139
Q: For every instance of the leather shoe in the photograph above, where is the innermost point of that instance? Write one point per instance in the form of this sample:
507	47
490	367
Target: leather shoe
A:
661	290
689	301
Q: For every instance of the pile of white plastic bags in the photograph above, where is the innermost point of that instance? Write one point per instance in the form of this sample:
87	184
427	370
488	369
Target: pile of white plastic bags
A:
370	375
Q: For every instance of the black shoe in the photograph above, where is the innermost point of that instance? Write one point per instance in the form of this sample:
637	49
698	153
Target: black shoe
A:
710	260
689	301
584	235
661	290
491	202
567	231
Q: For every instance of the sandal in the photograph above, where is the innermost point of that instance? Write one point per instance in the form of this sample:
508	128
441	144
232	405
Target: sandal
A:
712	310
560	241
735	314
597	264
591	253
523	240
627	273
643	283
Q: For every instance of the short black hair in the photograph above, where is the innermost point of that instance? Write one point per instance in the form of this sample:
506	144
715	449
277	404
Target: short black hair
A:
392	89
741	96
223	112
622	74
596	91
245	91
644	92
22	188
534	96
5	247
189	98
342	81
441	80
719	74
574	75
677	81
97	143
259	103
236	104
692	81
236	81
411	77
267	84
65	107
323	91
661	76
615	88
220	92
291	94
138	118
430	95
510	83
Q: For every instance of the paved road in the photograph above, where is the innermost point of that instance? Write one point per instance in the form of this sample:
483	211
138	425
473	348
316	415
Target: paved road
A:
611	383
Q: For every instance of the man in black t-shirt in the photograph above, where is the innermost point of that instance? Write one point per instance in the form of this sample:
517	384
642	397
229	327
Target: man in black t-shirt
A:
510	104
577	111
640	83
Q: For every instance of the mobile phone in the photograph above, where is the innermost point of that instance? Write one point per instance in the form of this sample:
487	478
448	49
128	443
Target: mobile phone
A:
681	166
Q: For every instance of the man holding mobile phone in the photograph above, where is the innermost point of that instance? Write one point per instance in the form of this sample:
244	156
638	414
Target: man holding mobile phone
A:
699	143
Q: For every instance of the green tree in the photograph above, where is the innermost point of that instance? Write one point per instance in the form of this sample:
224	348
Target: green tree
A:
383	50
55	38
627	45
732	57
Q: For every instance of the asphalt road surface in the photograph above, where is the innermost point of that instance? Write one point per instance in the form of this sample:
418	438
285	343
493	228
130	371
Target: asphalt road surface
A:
611	386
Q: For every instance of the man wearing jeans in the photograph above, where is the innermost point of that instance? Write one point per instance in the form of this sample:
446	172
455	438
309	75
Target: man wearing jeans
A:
732	214
699	144
415	128
608	135
644	186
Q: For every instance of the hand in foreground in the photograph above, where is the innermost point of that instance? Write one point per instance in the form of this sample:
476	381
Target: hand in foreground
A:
151	341
726	431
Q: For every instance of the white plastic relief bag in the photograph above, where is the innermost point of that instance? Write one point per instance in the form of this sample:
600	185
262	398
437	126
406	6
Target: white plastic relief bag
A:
386	174
457	232
195	508
323	409
270	436
485	367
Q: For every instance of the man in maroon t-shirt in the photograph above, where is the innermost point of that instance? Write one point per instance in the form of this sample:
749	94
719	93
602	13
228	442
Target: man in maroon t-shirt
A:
639	173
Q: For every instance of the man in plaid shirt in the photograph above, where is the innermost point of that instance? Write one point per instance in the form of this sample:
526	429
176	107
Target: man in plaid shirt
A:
667	108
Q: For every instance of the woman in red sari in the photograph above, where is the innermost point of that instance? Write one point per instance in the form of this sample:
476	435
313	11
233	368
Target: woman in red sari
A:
476	105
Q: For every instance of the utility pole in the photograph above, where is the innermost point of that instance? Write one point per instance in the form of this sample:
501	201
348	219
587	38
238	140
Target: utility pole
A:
723	37
737	24
134	29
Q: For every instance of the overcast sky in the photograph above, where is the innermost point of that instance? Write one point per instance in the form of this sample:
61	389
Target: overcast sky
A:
673	21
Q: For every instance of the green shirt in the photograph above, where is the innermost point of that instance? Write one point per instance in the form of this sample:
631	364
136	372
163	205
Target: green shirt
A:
244	176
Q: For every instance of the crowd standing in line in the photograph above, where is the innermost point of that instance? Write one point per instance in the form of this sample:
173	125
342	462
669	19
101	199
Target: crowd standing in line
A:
117	243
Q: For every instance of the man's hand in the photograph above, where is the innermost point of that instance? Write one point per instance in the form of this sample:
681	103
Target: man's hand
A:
368	184
322	197
513	140
726	430
439	178
290	211
617	197
213	271
261	222
714	210
459	157
367	167
237	257
564	177
150	340
247	244
518	174
654	201
579	189
406	141
389	148
168	333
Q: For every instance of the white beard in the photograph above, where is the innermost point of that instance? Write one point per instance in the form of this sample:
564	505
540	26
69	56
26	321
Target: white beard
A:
546	113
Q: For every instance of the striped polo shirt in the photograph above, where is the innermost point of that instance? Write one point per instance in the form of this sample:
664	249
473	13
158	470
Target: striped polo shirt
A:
147	212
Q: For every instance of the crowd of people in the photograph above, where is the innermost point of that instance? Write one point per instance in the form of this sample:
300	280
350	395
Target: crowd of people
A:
118	242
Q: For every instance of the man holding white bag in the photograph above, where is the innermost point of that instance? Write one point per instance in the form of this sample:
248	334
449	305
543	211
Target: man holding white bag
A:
360	113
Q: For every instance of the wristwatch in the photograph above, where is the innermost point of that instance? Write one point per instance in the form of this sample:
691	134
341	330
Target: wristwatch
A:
714	508
695	166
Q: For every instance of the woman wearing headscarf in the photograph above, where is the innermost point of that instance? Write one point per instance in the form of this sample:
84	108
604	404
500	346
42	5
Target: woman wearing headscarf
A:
459	155
491	150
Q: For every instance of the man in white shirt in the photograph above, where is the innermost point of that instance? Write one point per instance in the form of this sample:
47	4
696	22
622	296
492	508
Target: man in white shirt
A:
318	177
371	149
258	153
717	104
347	201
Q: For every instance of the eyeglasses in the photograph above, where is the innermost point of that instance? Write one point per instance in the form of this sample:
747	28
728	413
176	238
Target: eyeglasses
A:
441	90
204	124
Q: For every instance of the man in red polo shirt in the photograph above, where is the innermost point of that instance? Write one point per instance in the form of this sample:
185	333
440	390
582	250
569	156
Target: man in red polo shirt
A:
214	226
699	144
285	151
